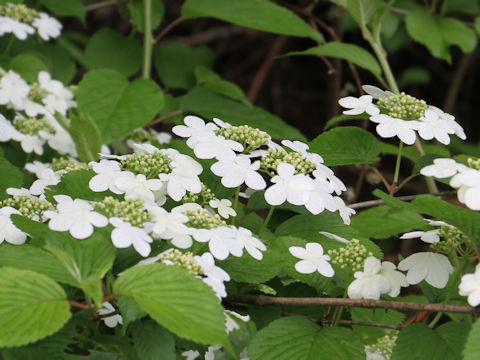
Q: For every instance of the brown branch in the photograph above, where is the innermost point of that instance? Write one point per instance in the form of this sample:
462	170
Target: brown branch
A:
108	298
77	304
163	118
370	203
100	5
364	303
265	68
167	29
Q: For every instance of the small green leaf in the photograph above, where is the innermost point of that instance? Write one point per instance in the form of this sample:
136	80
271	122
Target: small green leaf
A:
137	13
75	185
27	66
86	136
346	145
177	300
353	53
256	14
152	341
107	49
341	118
32	307
471	350
66	8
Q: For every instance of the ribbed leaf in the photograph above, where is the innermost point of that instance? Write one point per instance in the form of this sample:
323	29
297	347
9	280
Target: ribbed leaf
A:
86	136
472	345
152	341
11	176
32	306
176	300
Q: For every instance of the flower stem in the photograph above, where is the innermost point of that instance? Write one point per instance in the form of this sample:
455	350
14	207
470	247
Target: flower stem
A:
267	219
382	58
235	205
147	39
397	168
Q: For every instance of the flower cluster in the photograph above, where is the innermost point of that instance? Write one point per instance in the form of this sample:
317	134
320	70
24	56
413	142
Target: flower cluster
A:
351	257
403	116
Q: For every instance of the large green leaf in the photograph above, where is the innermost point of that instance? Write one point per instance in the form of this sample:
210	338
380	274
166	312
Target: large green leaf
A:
176	62
370	334
117	106
86	136
471	350
152	341
32	306
177	300
107	49
11	175
66	8
346	145
137	14
296	338
262	15
439	33
445	342
28	66
353	53
209	104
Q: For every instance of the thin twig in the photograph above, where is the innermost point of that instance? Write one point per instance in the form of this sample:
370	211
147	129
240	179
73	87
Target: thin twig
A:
99	5
163	118
385	182
219	32
370	203
77	304
364	303
167	29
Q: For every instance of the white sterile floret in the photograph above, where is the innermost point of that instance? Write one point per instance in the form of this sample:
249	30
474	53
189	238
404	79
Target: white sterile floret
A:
358	106
13	90
137	186
334	237
9	232
124	235
76	216
216	146
344	211
396	279
110	321
183	178
320	198
325	173
60	140
231	320
29	143
46	177
222	241
376	92
253	245
107	172
215	276
19	29
195	129
433	126
163	138
389	127
224	207
54	87
6	129
470	286
443	168
36	167
369	283
47	26
430	236
468	182
435	269
171	226
289	187
239	170
302	148
450	120
313	259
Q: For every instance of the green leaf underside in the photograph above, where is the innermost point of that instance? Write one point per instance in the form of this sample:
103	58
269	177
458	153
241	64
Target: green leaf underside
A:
32	306
176	300
353	53
256	14
296	338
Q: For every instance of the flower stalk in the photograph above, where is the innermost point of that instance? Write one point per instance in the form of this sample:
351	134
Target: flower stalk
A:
147	39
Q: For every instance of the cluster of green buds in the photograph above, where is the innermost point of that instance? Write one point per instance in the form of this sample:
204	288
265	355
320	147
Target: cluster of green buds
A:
37	93
202	219
27	205
150	165
130	210
403	106
384	345
142	135
453	241
474	163
184	260
19	12
32	125
350	257
250	138
202	198
68	164
270	162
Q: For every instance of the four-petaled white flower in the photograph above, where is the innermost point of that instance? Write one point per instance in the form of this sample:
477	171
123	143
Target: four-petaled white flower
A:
470	286
9	232
313	259
124	235
195	129
468	182
171	226
76	216
183	178
137	186
396	279
110	321
443	168
107	172
435	269
359	105
253	245
224	207
19	29
431	125
389	127
369	283
239	170
47	26
222	241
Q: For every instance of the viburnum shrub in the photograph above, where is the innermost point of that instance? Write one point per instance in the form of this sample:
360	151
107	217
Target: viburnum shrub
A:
227	235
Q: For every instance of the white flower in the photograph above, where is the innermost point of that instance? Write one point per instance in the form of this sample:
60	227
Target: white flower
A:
171	226
239	170
253	246
320	198
124	235
313	259
435	269
231	320
110	321
60	140
6	129
432	126
46	177
369	283
213	146
19	29
430	236
389	127
290	187
470	286
376	92
468	183
221	123
54	87
325	173
13	90
359	105
76	216
47	26
163	138
195	130
372	353
183	178
137	186
344	211
334	237
224	207
222	241
394	277
302	148
29	143
107	172
37	167
443	168
215	276
450	120
9	232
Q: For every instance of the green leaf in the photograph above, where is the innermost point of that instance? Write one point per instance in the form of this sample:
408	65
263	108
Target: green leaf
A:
152	341
439	33
256	14
177	300
471	350
477	24
228	89
137	14
66	8
370	334
117	106
410	153
32	307
445	342
86	136
208	104
75	185
346	145
296	338
107	49
27	66
11	175
176	62
341	118
353	53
